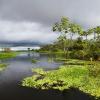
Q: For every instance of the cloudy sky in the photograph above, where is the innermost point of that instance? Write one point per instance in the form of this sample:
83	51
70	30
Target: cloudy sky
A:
29	22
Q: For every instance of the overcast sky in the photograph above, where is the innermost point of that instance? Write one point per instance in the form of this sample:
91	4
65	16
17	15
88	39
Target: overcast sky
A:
30	21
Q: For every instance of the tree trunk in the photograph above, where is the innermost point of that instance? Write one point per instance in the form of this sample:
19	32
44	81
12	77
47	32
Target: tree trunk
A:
71	36
94	35
86	37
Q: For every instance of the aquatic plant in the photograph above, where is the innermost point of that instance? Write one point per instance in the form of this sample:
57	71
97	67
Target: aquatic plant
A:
64	78
2	67
34	61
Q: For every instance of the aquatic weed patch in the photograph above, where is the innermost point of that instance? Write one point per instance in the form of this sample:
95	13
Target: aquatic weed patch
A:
65	78
34	60
2	67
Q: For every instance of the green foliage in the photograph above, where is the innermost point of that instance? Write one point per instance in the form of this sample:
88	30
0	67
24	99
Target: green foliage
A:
66	26
62	26
94	69
65	77
75	28
34	61
97	30
2	67
85	75
77	62
80	54
5	55
39	71
80	48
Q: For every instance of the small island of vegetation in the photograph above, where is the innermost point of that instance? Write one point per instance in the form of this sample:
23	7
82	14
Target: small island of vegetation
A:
2	67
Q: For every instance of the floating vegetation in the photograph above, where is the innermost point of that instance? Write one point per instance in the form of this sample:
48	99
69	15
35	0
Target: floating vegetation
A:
2	67
65	77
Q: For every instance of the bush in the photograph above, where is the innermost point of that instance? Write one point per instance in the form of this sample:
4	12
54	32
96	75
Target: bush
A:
94	69
80	54
2	67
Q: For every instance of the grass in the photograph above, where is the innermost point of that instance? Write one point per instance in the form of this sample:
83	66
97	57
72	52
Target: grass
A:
85	78
76	61
5	55
2	67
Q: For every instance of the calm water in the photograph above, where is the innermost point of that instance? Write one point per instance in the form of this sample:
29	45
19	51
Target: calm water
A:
19	68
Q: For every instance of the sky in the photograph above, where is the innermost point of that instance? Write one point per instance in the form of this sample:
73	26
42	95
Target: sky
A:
29	22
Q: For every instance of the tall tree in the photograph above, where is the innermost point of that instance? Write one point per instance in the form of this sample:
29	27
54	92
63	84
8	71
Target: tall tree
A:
86	33
75	28
63	27
92	31
97	30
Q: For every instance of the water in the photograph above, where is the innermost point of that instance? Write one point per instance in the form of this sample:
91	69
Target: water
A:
19	68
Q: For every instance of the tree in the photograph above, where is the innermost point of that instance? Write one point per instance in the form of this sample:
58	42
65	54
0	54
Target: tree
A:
92	30
63	27
75	28
62	40
85	33
97	30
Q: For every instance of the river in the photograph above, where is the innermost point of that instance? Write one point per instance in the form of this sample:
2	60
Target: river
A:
21	67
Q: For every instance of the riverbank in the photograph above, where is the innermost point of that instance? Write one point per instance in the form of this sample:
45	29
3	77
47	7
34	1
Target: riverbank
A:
5	55
85	78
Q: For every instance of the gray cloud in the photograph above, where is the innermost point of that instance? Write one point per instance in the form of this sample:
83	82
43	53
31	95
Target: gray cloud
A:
44	11
25	32
30	20
48	11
